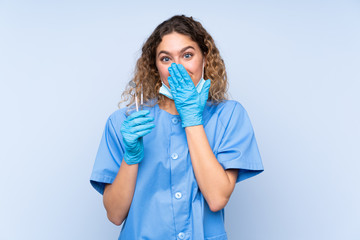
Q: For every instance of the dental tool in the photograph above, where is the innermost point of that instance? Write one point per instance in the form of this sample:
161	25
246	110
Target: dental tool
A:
142	100
133	84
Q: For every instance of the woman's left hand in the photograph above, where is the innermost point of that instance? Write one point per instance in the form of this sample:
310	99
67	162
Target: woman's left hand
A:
188	102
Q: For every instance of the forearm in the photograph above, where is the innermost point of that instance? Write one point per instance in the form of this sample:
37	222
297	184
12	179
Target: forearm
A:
212	179
118	196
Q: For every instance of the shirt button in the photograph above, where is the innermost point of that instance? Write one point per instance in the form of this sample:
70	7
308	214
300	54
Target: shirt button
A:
175	120
174	156
181	235
178	195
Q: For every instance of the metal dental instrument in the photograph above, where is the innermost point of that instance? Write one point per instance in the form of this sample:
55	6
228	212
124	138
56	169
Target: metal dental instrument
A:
133	84
141	101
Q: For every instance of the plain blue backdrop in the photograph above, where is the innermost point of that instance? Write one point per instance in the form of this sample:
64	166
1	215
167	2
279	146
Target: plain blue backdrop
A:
294	65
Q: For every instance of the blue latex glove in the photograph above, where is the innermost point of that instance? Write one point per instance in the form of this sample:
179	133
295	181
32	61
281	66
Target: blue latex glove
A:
133	129
188	102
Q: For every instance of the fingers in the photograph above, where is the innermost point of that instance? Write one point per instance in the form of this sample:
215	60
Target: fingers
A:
175	79
172	85
185	75
139	121
175	73
143	127
141	113
143	133
180	75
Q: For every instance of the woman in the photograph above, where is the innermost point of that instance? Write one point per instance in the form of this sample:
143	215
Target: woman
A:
169	170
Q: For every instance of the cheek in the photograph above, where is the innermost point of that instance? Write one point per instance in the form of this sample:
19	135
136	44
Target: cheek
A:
193	69
194	65
163	72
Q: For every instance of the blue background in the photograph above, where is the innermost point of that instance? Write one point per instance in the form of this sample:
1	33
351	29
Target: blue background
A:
294	65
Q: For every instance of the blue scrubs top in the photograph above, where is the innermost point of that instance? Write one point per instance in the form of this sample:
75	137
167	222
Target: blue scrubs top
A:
167	202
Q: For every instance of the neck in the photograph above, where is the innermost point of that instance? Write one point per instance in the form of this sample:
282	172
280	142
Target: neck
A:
169	106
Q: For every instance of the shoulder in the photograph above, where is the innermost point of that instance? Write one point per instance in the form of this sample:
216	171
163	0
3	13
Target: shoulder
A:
227	110
228	105
117	117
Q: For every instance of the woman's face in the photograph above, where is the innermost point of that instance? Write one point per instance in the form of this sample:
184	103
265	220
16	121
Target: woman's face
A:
180	49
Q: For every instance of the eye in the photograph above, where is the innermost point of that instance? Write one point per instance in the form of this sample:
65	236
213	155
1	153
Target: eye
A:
188	55
164	59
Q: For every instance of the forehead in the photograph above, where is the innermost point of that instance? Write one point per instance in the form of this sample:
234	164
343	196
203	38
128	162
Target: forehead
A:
174	42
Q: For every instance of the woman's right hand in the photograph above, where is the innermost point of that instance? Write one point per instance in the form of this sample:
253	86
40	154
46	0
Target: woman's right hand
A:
133	129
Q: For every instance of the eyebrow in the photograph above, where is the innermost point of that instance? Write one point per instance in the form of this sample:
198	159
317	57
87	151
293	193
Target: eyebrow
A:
182	50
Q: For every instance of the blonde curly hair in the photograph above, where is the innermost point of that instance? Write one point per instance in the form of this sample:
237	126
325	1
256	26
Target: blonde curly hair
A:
147	75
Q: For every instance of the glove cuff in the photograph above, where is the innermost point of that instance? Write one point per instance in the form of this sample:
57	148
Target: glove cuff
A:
195	120
133	158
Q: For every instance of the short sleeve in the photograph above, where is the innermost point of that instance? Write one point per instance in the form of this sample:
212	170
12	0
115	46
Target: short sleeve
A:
238	147
108	158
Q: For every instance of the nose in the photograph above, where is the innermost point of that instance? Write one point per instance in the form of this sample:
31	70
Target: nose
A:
177	61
